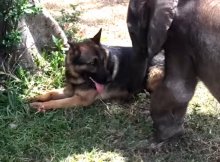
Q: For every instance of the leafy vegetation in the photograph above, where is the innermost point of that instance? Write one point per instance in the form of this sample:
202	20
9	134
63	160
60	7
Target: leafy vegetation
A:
69	19
11	11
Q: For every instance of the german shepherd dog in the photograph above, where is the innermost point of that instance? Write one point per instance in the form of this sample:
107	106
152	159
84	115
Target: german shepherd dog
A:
96	71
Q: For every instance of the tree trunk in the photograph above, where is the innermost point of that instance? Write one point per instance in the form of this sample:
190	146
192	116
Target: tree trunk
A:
36	33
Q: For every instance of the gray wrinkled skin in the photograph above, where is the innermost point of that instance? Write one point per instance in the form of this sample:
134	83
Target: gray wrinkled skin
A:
189	33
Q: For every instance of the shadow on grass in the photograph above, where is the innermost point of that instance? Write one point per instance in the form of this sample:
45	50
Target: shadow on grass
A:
200	143
27	136
119	128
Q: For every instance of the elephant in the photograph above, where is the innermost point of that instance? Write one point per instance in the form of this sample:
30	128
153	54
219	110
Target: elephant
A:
189	33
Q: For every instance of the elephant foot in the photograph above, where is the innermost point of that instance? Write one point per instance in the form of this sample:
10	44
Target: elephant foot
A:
164	133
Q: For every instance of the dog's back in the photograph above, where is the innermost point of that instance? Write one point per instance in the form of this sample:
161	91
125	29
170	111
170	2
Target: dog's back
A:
132	69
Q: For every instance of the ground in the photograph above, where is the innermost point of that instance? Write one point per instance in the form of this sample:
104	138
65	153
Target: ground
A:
108	130
110	15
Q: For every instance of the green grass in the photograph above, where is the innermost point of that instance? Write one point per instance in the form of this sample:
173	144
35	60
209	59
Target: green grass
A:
105	131
56	135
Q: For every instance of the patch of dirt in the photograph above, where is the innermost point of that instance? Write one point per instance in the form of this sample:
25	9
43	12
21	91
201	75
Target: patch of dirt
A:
110	15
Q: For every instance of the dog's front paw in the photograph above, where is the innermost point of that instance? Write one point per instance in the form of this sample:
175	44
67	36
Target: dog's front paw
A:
30	99
39	106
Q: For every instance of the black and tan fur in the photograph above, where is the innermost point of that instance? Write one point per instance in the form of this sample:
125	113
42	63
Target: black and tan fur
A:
117	68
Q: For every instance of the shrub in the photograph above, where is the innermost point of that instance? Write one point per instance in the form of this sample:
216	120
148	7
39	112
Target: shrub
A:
68	20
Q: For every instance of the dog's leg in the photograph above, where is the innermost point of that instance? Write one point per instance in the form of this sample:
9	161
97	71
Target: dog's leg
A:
54	94
169	101
155	77
82	98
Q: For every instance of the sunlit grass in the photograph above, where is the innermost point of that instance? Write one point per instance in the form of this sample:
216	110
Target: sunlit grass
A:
95	156
204	102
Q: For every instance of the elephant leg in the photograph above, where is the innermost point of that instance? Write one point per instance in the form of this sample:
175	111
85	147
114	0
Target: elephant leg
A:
170	100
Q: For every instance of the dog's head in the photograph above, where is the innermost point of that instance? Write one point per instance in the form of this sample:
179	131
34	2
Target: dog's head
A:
88	60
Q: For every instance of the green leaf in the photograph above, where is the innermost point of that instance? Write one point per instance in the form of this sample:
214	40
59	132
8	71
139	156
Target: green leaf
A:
29	11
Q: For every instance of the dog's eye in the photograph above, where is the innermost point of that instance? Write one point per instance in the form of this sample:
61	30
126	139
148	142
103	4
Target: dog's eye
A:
93	62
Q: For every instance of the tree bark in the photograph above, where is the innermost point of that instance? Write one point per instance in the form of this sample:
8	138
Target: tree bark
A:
36	32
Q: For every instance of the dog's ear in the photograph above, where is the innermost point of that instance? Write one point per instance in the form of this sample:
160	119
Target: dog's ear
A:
163	13
72	44
74	48
97	37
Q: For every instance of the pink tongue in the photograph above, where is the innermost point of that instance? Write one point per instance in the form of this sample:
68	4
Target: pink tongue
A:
99	87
